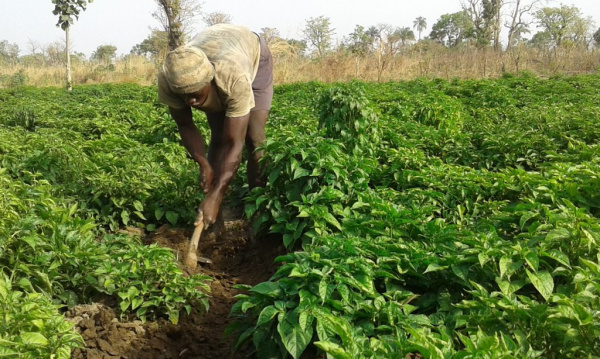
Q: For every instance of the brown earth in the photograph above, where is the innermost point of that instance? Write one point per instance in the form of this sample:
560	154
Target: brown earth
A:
236	260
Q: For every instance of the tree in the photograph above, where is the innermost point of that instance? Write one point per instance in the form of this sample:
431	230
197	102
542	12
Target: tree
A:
518	25
104	53
298	46
387	45
562	23
596	37
374	33
319	34
66	10
217	18
9	53
53	53
358	44
155	45
269	34
452	29
176	17
485	17
420	24
404	34
359	41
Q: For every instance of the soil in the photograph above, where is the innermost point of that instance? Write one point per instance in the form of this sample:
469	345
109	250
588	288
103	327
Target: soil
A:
236	259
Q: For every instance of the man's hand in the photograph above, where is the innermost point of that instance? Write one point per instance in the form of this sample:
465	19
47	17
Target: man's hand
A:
209	209
206	178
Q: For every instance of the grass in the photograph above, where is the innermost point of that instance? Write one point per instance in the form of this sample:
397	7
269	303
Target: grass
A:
424	60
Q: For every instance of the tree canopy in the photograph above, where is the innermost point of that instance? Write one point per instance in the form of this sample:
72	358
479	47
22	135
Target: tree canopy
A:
67	10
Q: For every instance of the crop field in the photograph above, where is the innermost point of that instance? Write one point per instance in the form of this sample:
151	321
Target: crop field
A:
429	218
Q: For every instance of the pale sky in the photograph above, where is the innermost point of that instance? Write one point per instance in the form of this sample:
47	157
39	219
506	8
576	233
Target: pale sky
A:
124	23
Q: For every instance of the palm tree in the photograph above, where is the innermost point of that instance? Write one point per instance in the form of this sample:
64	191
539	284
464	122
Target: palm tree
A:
420	24
404	34
374	34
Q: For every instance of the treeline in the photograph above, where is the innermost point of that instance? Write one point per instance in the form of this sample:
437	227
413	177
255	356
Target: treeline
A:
467	43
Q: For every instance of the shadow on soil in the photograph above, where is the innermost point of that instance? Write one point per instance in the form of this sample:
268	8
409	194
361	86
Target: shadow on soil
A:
236	260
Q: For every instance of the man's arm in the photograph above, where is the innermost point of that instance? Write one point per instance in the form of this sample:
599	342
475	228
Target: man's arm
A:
194	143
227	161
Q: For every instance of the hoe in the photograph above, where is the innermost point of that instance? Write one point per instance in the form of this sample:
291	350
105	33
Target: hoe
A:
191	259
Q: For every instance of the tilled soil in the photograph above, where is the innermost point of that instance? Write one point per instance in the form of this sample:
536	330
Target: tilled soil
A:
236	260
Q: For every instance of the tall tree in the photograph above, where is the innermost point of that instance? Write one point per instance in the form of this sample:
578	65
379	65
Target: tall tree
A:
404	34
217	18
319	34
66	10
562	23
154	46
374	33
104	53
9	53
485	16
358	44
596	37
387	45
518	24
176	17
452	29
270	34
420	24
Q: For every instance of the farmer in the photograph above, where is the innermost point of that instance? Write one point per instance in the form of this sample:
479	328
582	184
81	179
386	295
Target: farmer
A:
225	71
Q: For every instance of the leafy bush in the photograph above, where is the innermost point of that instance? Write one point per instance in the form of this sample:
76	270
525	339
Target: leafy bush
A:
30	326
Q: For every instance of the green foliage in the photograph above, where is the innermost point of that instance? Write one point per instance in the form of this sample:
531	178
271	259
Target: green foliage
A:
345	114
448	218
67	10
564	23
46	248
470	229
30	326
319	34
117	164
452	29
104	53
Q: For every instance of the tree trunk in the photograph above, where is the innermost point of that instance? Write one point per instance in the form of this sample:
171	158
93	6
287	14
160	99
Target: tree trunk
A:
69	85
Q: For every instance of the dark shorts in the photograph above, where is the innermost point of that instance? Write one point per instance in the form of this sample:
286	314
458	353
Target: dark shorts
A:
262	86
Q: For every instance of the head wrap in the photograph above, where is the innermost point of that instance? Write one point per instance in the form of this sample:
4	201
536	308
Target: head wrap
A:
187	69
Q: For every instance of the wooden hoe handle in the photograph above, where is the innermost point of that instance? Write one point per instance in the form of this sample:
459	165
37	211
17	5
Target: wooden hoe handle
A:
191	259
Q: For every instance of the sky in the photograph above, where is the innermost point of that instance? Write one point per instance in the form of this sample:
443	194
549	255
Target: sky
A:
125	23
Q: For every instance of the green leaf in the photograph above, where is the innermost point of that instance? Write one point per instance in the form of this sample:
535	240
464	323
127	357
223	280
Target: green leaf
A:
172	217
124	305
434	267
333	349
270	289
323	290
72	209
331	220
138	206
503	264
31	241
125	217
558	234
159	213
33	338
461	271
266	315
558	256
543	282
136	302
532	260
294	339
